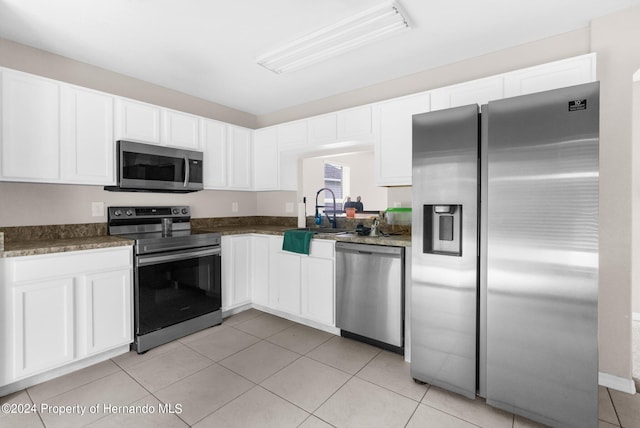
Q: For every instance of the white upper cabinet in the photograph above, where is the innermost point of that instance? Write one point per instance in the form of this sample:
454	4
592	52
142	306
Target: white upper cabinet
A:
323	129
213	136
393	158
180	130
293	135
227	153
479	91
87	145
355	124
30	128
137	121
545	77
266	159
151	124
239	158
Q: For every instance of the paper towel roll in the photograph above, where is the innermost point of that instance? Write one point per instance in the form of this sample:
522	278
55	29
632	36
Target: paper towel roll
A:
302	215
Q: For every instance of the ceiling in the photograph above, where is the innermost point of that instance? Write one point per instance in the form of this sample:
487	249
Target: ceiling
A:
207	48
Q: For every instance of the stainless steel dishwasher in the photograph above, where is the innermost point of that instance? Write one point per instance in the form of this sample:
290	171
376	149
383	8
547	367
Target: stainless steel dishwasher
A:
370	293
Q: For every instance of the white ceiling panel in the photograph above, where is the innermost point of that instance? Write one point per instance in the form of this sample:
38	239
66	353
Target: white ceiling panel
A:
207	48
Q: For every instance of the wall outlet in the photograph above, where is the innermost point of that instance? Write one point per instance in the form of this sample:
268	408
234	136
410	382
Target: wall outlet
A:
97	209
234	207
288	207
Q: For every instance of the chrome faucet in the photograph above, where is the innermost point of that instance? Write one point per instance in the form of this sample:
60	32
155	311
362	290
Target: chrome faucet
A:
333	222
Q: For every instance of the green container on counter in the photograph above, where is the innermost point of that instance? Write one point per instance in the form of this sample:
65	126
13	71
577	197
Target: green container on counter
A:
399	216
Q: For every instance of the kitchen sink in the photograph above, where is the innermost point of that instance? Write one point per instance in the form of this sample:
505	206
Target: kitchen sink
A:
325	230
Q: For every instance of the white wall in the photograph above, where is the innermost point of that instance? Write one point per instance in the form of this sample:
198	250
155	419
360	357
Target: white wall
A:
616	40
32	204
635	161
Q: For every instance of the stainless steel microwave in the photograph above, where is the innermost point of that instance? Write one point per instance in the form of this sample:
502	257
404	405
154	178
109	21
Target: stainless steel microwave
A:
145	167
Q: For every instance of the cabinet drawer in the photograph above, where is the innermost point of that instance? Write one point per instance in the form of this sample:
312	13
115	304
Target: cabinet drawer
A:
30	268
322	248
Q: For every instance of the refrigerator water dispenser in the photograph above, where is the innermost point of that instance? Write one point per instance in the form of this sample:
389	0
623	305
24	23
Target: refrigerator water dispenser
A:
442	229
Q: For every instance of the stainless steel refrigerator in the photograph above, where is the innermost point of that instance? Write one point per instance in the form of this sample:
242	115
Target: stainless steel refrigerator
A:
505	253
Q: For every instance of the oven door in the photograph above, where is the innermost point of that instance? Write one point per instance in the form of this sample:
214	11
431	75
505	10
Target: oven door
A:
176	286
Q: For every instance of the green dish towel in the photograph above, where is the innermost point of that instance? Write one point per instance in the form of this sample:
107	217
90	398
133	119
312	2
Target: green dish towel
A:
297	241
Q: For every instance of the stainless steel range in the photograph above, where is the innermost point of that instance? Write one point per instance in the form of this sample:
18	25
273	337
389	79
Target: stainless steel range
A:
177	278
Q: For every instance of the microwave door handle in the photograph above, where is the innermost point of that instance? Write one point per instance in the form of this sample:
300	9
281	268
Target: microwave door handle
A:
186	169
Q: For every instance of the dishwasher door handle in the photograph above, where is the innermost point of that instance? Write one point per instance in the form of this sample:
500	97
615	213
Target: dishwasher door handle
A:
369	249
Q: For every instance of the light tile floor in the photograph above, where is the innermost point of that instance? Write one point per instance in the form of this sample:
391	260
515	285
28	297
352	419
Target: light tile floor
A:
258	370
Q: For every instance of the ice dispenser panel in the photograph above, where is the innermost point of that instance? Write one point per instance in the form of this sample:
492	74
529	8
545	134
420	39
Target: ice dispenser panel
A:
442	229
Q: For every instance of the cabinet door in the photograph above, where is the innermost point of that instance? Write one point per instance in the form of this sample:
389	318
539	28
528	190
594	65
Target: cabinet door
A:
284	278
180	130
108	310
214	146
30	128
260	270
236	271
265	159
138	121
355	124
558	74
239	155
479	91
43	326
323	129
318	289
241	259
292	135
288	170
87	137
393	158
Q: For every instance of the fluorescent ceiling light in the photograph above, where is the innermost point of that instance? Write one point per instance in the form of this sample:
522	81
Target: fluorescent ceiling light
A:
365	27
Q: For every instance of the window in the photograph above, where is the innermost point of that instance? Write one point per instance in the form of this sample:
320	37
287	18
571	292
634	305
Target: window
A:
334	180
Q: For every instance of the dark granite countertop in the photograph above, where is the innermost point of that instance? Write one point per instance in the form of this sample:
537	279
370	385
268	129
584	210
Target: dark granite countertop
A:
392	240
60	245
33	240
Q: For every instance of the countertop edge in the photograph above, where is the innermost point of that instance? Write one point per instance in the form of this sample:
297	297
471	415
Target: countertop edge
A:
38	247
52	246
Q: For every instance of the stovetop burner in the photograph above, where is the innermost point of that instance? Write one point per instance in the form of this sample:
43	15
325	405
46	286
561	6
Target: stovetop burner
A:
158	229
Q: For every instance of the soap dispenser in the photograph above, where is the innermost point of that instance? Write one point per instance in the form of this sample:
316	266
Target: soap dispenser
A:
374	228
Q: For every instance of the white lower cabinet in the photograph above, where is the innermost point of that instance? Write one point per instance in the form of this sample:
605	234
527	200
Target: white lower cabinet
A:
260	269
303	285
236	271
108	302
317	289
61	308
42	321
256	271
284	278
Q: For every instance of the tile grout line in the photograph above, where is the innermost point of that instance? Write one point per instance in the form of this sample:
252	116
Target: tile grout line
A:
33	402
614	407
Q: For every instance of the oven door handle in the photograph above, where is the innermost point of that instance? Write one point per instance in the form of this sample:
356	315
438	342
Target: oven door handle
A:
187	172
153	260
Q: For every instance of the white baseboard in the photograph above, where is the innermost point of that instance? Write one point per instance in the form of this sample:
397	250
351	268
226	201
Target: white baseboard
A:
636	316
617	383
54	373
